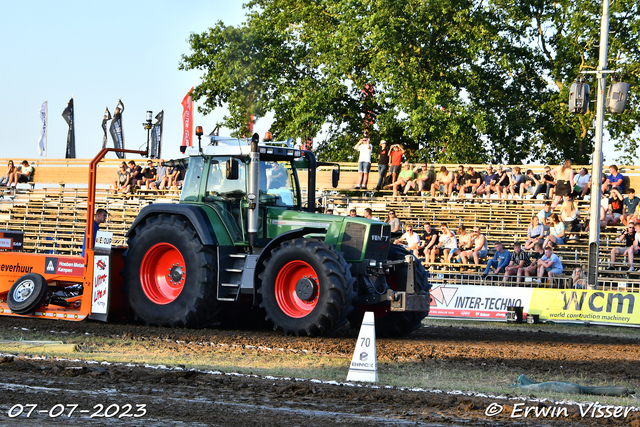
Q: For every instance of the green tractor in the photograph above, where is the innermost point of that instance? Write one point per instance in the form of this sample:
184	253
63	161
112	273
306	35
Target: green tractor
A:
242	241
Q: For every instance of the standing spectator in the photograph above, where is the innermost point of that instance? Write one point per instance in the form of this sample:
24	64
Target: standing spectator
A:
396	160
557	232
480	247
149	174
535	185
405	176
121	183
519	259
535	256
535	233
447	243
22	175
161	173
615	181
631	206
471	182
550	182
394	222
135	174
569	214
488	183
499	261
383	164
564	181
11	169
516	182
549	263
364	162
444	182
428	242
629	236
411	240
582	184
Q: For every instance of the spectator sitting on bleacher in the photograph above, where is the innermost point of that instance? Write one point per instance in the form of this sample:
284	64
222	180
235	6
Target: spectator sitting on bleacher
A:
121	183
465	243
615	181
411	240
582	185
428	242
556	232
488	183
167	181
502	183
579	279
550	264
22	175
550	182
405	176
631	204
535	233
447	244
161	173
516	182
480	247
353	213
569	215
629	236
394	222
458	179
534	257
421	181
149	174
368	213
544	215
470	182
519	259
499	261
604	217
11	169
135	175
444	182
616	207
634	250
535	185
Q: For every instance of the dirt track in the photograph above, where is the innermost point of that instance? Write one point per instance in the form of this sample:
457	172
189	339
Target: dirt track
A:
221	399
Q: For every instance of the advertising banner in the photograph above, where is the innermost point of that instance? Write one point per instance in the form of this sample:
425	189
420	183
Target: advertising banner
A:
42	142
116	131
187	121
477	302
585	306
68	116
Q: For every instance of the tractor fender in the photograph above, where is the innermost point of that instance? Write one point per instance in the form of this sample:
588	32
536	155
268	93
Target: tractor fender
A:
289	235
194	214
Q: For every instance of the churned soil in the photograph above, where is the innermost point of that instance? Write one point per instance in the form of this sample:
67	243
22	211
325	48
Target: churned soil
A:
178	396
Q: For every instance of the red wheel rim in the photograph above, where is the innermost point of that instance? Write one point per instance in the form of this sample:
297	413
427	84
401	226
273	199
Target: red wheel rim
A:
286	295
163	273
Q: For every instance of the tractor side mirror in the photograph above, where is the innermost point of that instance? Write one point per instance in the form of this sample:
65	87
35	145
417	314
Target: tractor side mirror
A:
232	169
335	177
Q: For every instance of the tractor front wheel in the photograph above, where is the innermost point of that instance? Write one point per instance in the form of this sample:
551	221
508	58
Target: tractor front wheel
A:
306	288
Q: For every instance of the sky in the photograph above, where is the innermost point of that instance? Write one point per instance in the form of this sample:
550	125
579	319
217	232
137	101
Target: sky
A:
98	53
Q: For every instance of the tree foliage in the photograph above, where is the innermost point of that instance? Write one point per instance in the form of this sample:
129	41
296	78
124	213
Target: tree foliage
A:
453	80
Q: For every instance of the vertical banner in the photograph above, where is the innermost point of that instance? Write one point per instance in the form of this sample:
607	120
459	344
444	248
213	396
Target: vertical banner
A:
105	119
68	116
117	134
187	121
156	137
42	142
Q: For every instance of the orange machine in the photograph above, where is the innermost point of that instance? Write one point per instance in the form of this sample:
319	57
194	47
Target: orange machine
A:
63	287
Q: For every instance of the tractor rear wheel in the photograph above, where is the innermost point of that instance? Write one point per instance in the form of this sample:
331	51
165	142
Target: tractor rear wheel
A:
306	288
27	293
169	275
394	323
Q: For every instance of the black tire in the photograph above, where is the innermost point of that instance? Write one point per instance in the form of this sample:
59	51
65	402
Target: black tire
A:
27	293
328	280
391	324
193	303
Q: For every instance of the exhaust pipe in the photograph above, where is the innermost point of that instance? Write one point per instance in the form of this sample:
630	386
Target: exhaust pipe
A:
254	191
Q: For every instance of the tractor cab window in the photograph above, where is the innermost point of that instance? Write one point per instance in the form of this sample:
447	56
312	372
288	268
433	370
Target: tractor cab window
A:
192	177
218	186
277	184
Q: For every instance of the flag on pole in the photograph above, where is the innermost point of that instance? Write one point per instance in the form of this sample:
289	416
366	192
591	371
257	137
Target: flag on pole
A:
68	115
42	143
156	137
187	121
117	134
105	119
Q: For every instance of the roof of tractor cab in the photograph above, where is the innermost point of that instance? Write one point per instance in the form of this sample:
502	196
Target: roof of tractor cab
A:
235	147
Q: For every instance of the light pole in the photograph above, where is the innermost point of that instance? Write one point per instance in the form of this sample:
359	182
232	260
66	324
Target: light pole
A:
147	125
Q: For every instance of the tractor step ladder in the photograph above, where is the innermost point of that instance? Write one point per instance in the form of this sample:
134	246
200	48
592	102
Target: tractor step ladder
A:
229	289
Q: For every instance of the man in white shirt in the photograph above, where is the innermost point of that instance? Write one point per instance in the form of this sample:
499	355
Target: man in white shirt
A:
582	184
410	238
364	162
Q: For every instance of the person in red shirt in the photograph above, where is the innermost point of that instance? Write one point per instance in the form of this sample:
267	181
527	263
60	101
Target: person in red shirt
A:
395	157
